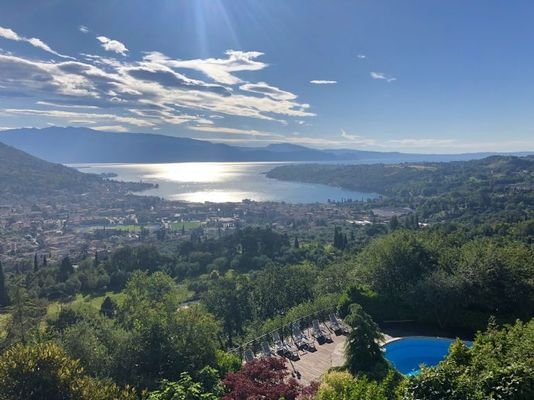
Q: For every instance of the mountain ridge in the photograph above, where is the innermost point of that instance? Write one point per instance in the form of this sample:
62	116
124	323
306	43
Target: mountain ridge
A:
71	145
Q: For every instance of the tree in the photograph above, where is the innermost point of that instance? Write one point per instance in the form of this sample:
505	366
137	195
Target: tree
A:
278	288
394	223
228	298
65	269
339	385
188	389
4	297
165	338
35	263
296	245
362	350
108	307
25	313
393	263
45	371
340	240
264	378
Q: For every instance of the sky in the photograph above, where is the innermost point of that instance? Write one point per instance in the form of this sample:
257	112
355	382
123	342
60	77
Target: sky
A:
414	76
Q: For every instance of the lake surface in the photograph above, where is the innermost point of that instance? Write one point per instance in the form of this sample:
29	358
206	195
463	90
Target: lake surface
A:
221	182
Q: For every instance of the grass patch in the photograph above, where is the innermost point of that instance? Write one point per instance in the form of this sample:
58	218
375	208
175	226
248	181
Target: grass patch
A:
125	228
189	225
80	301
4	321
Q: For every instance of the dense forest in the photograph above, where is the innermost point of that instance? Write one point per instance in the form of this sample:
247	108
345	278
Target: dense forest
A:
170	320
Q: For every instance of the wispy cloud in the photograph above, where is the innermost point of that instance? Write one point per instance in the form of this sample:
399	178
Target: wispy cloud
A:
422	142
361	56
71	115
234	131
110	128
322	82
152	92
382	76
48	103
112	45
218	69
9	34
266	89
83	29
357	139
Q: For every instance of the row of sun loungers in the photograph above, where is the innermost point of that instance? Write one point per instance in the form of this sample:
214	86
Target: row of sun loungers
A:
300	341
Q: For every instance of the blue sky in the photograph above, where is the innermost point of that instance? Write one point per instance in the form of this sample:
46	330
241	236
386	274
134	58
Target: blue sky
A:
417	76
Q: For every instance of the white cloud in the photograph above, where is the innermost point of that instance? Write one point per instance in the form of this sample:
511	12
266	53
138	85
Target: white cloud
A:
234	131
322	82
71	115
9	34
83	29
48	103
150	90
266	89
382	76
357	139
218	69
112	45
110	128
417	143
361	56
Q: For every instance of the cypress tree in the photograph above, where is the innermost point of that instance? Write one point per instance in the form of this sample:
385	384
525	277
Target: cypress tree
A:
4	298
108	307
65	269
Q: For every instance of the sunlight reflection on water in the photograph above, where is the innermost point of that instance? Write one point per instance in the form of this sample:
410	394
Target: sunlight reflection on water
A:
221	182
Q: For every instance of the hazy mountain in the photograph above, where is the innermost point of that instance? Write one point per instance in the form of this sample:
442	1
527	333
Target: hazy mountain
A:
22	173
83	145
28	179
80	145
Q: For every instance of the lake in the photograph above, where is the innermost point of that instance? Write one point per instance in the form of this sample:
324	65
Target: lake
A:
221	182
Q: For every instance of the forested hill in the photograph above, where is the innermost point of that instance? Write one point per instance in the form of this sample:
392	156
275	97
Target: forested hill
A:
428	179
494	185
23	176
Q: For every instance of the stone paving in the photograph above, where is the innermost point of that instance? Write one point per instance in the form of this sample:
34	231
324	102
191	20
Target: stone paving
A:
312	365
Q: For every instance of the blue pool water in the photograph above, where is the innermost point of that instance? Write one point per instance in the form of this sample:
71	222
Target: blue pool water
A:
409	353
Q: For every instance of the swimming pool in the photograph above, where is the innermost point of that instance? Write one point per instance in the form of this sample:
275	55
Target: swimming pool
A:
407	354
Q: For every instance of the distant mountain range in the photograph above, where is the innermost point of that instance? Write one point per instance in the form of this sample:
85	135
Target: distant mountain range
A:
82	145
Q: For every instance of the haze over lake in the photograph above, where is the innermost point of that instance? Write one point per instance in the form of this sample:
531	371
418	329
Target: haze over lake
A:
220	182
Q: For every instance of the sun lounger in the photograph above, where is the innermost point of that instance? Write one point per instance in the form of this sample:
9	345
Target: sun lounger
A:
266	349
249	355
335	326
319	333
300	340
284	349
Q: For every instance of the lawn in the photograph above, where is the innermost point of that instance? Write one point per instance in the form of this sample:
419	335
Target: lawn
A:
96	301
4	320
176	226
